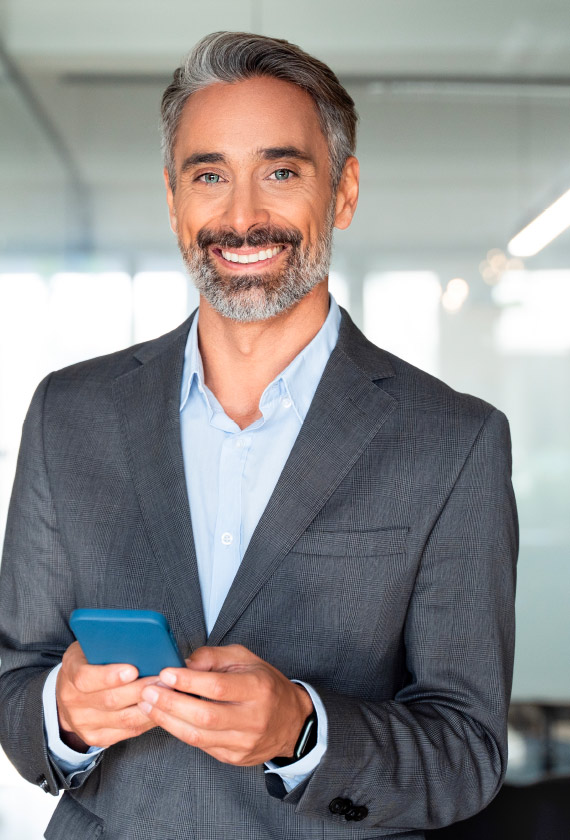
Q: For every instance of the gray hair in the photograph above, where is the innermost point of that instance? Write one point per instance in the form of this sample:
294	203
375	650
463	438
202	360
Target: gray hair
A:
236	56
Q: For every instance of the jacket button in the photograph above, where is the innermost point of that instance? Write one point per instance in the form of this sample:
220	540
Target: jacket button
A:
356	813
340	806
43	783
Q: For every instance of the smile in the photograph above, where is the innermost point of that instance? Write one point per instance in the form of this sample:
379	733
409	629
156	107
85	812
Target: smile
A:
258	256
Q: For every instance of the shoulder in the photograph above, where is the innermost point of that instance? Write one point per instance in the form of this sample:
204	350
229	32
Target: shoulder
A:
442	417
426	393
405	382
426	406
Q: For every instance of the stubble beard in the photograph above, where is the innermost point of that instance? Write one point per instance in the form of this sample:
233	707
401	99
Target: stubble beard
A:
257	297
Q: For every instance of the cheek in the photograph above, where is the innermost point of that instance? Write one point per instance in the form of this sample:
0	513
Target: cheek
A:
317	217
309	217
317	228
193	213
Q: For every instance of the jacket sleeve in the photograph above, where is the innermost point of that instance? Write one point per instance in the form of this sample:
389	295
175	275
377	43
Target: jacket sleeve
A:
437	752
36	599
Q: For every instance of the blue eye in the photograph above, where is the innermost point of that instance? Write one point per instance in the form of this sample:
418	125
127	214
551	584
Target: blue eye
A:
210	178
282	174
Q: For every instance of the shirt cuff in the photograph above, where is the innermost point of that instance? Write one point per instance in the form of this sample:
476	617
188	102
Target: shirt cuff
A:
293	774
69	761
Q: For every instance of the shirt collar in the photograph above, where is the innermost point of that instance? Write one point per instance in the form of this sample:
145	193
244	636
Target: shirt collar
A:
193	369
299	379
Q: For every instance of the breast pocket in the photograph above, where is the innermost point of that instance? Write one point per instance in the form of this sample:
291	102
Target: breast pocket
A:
366	543
356	582
333	595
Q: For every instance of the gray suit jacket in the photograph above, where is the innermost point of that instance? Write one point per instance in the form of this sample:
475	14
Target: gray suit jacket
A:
381	572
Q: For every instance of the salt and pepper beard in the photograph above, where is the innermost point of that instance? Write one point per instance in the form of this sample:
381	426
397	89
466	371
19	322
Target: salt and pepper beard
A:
256	297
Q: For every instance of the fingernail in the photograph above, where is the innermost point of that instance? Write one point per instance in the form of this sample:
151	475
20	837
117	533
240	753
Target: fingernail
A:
168	677
145	707
150	694
127	674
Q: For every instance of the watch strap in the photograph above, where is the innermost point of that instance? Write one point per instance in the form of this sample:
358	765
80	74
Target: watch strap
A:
306	741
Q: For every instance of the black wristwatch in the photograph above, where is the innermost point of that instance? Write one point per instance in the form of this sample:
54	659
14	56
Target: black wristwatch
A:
305	742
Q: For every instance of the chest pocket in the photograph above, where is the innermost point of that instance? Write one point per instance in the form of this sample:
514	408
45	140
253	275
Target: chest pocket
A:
335	593
366	543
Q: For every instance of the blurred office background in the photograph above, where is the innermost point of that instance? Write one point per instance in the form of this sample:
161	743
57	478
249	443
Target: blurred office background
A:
464	138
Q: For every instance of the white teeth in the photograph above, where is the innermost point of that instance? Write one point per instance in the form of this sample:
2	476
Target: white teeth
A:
252	258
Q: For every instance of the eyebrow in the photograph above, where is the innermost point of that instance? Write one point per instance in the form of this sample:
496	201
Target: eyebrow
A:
277	152
202	157
271	153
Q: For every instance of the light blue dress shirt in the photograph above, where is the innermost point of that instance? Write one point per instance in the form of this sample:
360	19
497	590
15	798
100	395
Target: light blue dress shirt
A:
230	476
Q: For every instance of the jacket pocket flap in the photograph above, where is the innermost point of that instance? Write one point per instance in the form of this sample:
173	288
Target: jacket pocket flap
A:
383	541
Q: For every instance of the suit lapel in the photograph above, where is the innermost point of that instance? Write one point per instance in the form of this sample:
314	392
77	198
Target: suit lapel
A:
347	411
148	400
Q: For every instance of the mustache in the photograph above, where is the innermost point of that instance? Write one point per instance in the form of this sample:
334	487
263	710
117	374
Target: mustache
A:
259	237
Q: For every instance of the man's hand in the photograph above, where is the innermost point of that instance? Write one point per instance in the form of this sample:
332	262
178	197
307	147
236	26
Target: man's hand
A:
97	704
243	710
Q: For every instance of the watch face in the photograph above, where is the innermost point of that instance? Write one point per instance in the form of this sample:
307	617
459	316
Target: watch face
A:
308	737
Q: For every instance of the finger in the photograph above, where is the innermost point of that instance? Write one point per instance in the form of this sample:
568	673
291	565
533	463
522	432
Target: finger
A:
106	736
115	699
89	722
202	714
221	658
88	678
204	739
230	746
227	687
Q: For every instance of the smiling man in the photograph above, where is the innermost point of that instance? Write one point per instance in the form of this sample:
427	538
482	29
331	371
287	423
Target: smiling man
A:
279	197
330	531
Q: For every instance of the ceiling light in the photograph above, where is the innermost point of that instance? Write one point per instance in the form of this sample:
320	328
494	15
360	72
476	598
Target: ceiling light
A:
546	227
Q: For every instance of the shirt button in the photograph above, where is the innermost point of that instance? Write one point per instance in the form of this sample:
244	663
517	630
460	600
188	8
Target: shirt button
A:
227	538
286	402
240	443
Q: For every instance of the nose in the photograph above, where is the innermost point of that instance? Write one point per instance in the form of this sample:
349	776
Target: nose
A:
244	208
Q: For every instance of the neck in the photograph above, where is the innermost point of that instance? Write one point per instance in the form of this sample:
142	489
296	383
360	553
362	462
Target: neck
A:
241	359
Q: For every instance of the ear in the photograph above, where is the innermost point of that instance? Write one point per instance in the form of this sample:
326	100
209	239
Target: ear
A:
170	201
347	194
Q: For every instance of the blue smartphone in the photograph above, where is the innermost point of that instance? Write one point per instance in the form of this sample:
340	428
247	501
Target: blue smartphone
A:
141	638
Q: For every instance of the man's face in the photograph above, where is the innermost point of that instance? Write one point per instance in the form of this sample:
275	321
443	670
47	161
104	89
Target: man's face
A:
253	208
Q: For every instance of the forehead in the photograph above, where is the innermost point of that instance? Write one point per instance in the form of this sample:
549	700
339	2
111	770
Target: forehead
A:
239	118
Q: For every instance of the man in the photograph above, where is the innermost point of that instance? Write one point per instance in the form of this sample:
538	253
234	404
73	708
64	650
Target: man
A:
330	532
